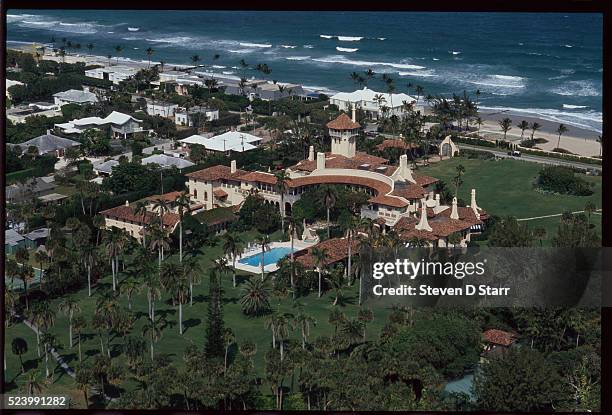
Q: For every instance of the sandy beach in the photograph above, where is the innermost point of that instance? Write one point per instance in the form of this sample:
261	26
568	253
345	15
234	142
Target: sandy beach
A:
576	140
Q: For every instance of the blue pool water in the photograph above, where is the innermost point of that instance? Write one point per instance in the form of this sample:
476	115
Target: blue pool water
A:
271	257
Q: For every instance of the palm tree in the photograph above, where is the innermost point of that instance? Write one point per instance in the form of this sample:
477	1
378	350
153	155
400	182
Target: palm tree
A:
264	243
90	47
43	317
19	347
182	203
349	224
365	316
115	241
118	49
523	125
562	129
228	339
534	127
129	287
539	233
335	281
304	321
479	122
141	209
84	381
159	242
457	179
152	330
232	248
149	53
255	298
330	195
600	141
79	325
505	125
320	257
282	187
47	340
195	59
69	306
33	385
284	323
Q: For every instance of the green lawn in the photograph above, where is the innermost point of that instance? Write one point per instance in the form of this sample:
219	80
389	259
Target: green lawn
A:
194	321
505	187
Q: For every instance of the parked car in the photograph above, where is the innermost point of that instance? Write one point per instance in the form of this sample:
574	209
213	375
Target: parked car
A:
514	153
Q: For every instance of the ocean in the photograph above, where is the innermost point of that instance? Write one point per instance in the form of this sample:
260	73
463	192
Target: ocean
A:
543	65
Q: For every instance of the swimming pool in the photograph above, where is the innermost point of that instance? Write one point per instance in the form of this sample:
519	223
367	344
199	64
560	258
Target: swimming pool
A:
271	257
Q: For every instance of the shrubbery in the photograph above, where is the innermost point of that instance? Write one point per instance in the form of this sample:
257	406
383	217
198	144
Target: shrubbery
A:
559	179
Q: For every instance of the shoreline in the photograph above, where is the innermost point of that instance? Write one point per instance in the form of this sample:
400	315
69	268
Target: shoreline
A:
578	140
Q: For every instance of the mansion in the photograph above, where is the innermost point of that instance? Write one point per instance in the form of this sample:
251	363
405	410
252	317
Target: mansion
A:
399	198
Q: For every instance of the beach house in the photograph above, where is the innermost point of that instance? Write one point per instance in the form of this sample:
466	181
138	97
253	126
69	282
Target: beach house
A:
74	96
374	104
120	125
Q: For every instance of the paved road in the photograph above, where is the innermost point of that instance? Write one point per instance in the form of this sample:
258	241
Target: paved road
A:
533	159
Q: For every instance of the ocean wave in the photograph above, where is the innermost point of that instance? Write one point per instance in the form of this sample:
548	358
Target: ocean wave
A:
382	38
297	58
435	59
425	74
288	46
228	72
350	50
568	46
218	66
350	38
577	88
130	38
308	46
574	107
176	40
454	52
509	78
53	24
344	61
133	29
588	120
255	45
241	50
327	36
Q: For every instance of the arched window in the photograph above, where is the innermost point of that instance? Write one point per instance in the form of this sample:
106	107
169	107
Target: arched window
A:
195	193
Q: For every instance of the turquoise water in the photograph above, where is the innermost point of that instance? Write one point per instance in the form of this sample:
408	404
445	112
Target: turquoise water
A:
271	257
547	65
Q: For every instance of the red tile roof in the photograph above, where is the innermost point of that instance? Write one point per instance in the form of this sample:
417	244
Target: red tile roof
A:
337	161
219	193
216	173
395	143
410	192
343	122
257	176
127	214
425	180
168	197
336	248
499	337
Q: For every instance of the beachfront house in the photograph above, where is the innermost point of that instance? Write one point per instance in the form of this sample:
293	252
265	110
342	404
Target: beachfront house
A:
19	114
120	125
115	74
161	109
29	189
104	168
202	114
375	104
227	142
74	96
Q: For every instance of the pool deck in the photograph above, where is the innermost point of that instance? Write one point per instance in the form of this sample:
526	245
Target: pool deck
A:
298	245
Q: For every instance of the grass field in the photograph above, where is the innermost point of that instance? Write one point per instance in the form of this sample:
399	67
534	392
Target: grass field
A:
503	188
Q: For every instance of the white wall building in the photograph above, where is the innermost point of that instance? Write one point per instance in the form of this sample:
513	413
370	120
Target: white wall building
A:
161	109
121	125
74	96
367	100
185	117
115	74
226	142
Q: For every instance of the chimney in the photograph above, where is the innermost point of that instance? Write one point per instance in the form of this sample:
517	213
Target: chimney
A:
354	117
423	225
311	153
404	171
233	167
473	204
454	213
320	161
